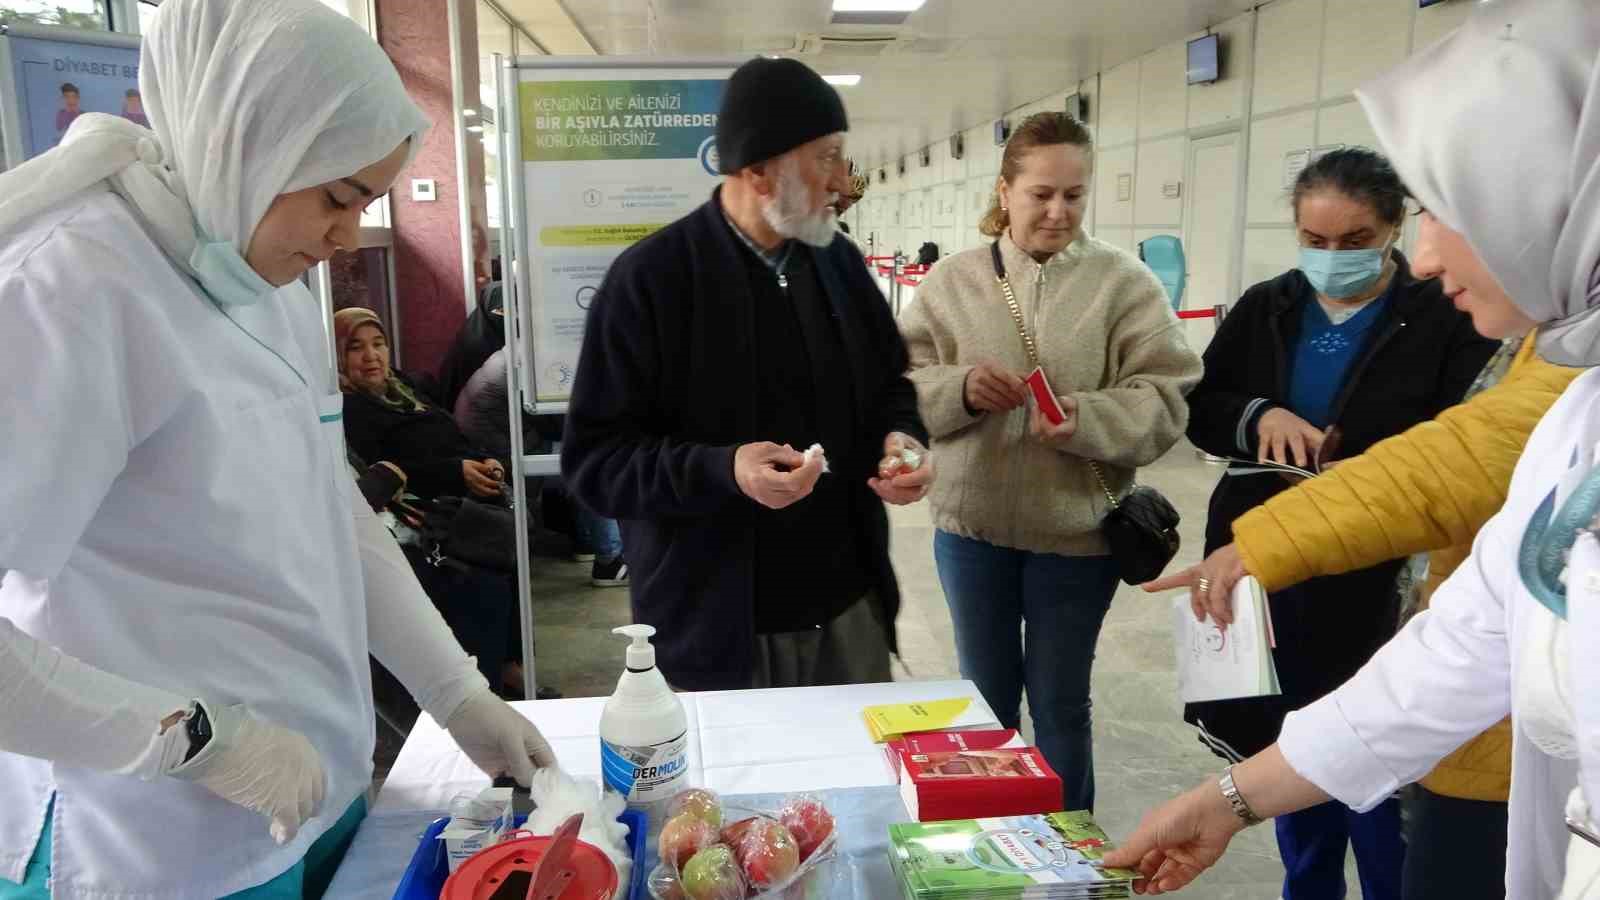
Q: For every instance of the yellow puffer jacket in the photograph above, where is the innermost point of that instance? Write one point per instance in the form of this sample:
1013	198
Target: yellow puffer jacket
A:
1429	488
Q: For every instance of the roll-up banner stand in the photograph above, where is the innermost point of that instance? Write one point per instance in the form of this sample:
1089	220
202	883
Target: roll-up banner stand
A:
611	150
50	75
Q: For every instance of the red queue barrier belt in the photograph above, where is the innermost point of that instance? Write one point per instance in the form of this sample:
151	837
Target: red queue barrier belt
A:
1197	313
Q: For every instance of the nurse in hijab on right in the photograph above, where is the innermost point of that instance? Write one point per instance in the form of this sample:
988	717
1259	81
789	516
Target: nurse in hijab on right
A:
191	588
1511	226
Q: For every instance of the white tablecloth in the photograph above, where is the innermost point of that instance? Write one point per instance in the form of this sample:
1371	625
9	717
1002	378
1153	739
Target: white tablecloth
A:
740	742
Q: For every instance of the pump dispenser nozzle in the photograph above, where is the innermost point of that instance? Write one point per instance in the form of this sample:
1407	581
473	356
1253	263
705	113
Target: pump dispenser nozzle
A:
641	655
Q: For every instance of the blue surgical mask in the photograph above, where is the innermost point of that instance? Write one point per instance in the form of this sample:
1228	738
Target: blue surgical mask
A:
1342	273
224	275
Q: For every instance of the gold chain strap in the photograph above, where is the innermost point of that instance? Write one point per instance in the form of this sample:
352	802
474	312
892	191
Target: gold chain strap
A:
1033	359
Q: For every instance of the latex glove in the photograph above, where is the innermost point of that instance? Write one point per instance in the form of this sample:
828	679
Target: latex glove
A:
260	766
498	739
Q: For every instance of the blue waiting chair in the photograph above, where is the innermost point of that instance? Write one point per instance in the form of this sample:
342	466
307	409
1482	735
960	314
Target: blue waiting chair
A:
1163	253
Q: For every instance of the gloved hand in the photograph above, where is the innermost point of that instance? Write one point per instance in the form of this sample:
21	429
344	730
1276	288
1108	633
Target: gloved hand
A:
258	765
498	739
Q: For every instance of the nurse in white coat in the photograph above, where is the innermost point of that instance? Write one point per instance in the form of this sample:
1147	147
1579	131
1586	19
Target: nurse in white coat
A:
1496	131
190	592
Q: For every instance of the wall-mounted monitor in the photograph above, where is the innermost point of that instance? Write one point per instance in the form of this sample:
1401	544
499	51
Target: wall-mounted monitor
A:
1204	60
1002	132
927	157
958	146
1426	3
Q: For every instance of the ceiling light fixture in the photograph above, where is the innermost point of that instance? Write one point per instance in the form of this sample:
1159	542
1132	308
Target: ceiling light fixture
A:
469	112
854	6
475	129
842	80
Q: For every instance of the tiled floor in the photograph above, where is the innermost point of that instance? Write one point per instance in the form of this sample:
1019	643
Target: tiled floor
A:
1144	754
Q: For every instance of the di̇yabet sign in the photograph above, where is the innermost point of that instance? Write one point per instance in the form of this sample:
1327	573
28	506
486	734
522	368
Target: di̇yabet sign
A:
610	156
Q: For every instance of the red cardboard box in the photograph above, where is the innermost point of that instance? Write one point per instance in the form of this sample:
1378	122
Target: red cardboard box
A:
972	784
948	742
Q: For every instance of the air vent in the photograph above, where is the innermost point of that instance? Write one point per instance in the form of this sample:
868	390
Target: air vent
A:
869	18
845	45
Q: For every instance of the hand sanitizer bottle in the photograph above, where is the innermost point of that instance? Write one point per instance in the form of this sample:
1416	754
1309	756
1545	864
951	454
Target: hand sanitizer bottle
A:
644	734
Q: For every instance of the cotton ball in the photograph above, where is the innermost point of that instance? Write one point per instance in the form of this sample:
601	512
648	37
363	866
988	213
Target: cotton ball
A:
559	796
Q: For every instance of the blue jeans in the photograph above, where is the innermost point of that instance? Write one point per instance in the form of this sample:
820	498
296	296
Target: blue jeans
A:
597	533
306	879
992	591
1312	843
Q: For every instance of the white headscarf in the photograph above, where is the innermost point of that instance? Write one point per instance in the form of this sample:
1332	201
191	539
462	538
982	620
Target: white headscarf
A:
1496	130
247	99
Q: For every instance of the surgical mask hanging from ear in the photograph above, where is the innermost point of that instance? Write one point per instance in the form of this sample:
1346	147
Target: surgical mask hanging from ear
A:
1343	273
224	275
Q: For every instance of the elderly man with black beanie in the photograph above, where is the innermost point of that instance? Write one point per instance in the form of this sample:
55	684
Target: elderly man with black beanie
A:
717	350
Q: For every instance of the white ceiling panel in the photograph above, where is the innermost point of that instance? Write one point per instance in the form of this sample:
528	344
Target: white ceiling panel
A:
953	64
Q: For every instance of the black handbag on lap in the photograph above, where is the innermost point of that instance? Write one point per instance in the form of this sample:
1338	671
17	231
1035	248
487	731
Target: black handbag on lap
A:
464	530
1141	528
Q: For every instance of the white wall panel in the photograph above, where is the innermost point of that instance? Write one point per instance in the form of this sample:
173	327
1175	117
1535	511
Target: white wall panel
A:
1117	237
1345	124
1163	91
1270	140
1119	104
1268	253
1223	101
1360	39
1110	211
1160	163
1289	41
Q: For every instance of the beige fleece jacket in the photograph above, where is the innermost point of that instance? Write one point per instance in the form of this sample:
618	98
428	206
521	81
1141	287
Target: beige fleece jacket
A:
1107	337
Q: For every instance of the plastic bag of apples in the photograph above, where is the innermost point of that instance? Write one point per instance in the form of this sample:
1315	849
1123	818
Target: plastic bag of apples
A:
712	852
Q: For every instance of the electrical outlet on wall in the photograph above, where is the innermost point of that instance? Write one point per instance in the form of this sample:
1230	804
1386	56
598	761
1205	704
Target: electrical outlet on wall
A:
422	190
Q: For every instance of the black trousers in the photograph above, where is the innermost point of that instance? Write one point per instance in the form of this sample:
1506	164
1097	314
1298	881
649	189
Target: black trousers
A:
479	606
1456	849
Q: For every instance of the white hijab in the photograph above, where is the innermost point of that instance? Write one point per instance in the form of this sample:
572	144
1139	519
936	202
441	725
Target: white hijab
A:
247	99
1496	130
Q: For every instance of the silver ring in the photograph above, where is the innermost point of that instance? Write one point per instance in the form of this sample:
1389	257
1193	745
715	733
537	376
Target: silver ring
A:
1204	584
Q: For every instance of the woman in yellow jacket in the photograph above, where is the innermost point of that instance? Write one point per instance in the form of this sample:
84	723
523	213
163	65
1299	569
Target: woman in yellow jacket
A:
1427	489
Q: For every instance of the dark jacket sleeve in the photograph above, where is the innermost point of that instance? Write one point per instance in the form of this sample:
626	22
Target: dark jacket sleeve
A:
1224	406
1469	352
898	399
617	454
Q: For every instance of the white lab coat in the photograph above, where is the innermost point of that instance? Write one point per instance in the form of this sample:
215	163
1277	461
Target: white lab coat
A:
178	512
1449	674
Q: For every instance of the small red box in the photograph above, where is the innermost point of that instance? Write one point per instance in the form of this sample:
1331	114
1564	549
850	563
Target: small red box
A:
971	784
948	742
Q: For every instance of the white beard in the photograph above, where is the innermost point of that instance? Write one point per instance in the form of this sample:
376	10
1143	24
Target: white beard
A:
786	212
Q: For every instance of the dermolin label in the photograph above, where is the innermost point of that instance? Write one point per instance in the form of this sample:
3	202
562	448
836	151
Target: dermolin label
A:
645	774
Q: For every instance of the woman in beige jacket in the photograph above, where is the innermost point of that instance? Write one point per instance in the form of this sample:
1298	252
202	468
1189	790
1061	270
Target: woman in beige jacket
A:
1018	505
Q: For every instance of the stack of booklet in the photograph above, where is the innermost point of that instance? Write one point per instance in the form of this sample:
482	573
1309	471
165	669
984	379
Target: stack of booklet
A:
1053	857
1226	663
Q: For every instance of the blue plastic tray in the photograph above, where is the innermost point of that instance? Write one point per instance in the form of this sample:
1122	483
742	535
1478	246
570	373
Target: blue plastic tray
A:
429	868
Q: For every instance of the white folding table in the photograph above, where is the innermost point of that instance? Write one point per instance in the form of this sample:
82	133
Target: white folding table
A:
740	742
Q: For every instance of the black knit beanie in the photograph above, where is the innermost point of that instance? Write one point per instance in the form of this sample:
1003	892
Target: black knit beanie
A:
771	107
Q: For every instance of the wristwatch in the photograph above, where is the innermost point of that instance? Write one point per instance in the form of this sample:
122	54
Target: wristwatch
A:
198	728
1230	792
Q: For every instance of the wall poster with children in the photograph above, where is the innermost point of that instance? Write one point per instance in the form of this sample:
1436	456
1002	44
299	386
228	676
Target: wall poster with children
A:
49	76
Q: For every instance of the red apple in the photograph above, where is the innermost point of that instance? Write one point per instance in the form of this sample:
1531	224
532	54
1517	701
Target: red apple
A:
767	853
810	823
683	836
733	834
700	802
